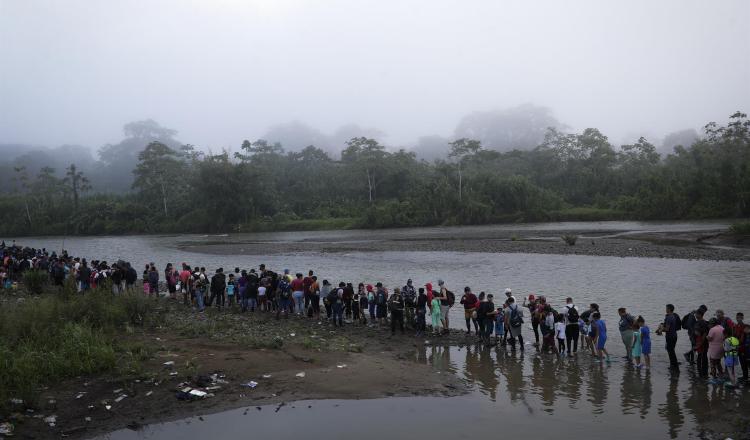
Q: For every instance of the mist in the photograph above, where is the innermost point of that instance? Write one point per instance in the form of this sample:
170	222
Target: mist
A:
219	72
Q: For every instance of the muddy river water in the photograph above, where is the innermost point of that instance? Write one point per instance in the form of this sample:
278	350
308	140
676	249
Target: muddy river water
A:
513	394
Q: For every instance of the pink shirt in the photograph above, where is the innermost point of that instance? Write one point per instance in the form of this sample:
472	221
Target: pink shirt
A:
716	342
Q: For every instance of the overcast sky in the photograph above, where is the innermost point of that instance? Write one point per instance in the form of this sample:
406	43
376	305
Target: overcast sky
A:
220	71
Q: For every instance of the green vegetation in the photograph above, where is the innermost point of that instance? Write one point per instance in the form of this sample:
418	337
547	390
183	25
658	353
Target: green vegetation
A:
50	337
740	228
578	176
570	239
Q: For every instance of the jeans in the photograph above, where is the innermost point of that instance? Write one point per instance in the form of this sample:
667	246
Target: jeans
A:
199	299
421	320
702	363
571	335
671	343
299	302
371	309
338	314
627	340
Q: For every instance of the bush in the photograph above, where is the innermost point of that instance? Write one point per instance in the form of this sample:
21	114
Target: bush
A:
740	228
570	239
52	337
35	281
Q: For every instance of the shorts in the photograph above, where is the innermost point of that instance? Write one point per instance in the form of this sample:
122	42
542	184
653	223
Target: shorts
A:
444	311
468	313
731	361
600	343
499	329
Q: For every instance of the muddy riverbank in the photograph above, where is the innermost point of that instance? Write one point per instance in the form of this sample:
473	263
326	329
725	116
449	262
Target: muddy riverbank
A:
691	245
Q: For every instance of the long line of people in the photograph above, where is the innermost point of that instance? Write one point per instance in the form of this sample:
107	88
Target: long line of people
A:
717	344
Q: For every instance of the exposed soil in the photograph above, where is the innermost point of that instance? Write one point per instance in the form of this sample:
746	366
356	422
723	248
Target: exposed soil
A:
355	363
703	245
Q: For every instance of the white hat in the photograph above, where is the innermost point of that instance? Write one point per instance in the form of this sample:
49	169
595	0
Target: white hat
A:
508	290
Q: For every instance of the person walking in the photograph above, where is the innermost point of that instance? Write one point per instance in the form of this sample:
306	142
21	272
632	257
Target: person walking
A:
572	330
626	331
396	306
470	303
514	323
669	327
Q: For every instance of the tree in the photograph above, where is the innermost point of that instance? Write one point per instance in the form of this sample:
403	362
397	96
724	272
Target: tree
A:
77	182
158	170
367	155
461	149
521	127
22	186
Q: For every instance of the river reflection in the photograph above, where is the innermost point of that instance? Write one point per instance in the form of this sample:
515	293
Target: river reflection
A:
582	387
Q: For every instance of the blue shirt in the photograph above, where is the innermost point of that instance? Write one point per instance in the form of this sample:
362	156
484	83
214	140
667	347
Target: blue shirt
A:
670	324
601	329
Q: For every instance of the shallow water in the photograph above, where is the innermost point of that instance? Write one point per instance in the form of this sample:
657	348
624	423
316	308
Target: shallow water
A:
510	392
529	396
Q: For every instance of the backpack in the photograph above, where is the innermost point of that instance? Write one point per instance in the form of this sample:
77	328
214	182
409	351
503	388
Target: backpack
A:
685	323
451	297
678	322
572	315
380	298
515	318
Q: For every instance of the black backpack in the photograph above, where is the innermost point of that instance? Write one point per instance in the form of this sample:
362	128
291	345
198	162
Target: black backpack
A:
685	323
515	318
572	315
451	297
678	322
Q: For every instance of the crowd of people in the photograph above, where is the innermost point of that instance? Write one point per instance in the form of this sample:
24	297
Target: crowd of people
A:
718	344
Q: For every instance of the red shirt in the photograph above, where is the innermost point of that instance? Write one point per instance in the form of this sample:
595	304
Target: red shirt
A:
297	285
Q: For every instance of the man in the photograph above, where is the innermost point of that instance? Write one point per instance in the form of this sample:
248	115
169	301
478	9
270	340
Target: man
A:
218	287
421	311
409	293
514	322
688	323
308	282
447	299
670	326
700	332
741	331
626	331
470	303
381	303
396	305
570	317
724	321
84	275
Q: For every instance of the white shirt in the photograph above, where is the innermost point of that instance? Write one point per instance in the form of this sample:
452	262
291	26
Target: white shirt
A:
560	330
261	291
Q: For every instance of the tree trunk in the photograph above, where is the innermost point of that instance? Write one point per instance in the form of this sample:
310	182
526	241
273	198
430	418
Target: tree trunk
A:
460	182
28	213
164	197
369	184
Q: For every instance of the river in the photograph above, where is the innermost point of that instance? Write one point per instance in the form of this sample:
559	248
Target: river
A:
512	394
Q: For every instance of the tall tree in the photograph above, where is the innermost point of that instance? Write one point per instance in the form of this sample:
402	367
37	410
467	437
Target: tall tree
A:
23	187
159	169
366	155
461	149
77	183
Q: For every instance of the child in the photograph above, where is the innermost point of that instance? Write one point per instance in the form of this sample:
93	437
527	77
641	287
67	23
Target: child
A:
231	285
146	287
635	351
437	317
560	334
548	329
731	358
499	325
599	328
645	341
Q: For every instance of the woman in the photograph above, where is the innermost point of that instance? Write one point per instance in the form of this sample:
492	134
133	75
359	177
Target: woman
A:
715	349
532	305
645	342
635	352
437	317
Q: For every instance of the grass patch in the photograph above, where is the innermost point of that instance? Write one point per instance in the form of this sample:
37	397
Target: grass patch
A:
316	224
35	281
586	214
47	338
740	228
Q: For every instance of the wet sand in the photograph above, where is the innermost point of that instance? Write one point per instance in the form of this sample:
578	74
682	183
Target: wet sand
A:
691	245
467	388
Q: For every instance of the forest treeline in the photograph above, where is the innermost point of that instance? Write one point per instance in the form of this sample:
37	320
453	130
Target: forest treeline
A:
578	176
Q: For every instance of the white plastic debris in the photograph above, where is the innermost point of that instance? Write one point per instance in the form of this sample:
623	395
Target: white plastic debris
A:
292	334
341	366
168	363
302	374
120	399
50	420
149	393
6	429
16	401
81	394
251	384
88	419
266	376
174	373
117	391
108	407
198	393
